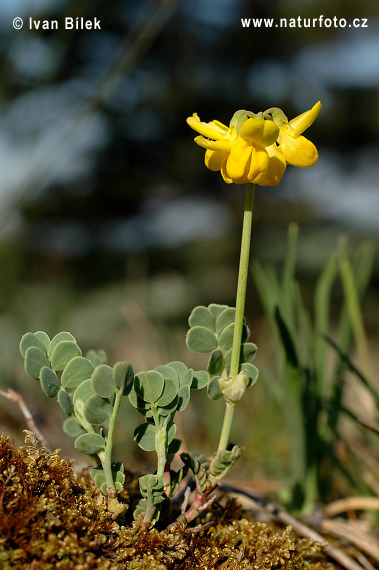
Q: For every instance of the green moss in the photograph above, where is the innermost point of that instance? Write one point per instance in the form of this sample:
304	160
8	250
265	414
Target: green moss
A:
50	519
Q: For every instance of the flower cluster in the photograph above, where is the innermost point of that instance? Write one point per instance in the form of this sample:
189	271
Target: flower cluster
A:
257	147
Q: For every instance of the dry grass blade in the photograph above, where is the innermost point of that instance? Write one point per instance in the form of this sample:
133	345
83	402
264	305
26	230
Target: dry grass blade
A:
356	537
351	504
302	529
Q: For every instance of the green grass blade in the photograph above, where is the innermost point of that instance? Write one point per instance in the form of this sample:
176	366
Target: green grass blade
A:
354	310
322	319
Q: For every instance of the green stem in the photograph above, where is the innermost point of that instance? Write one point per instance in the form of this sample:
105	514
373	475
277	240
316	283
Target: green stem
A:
106	460
240	307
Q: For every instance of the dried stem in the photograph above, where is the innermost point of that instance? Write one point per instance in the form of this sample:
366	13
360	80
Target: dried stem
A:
18	399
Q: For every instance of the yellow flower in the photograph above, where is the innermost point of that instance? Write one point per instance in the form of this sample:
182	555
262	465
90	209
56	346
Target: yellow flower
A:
256	147
244	151
298	150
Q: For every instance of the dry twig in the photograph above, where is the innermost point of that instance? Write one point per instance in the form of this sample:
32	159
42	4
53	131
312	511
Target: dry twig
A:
18	399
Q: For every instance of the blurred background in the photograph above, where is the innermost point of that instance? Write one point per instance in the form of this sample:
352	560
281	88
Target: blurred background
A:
112	227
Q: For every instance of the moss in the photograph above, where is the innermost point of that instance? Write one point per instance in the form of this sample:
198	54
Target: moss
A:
50	519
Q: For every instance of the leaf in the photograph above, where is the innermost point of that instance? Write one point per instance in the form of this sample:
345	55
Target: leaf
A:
184	395
174	447
149	385
65	402
35	359
138	403
44	338
28	340
102	381
168	373
97	410
216	362
216	310
97	357
81	395
225	340
151	484
76	371
213	389
252	371
247	354
123	376
200	339
90	443
287	340
202	317
184	373
171	433
144	435
200	379
170	391
118	476
57	339
63	352
49	382
72	427
226	318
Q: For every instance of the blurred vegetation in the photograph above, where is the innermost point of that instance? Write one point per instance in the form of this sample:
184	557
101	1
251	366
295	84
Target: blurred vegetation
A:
111	226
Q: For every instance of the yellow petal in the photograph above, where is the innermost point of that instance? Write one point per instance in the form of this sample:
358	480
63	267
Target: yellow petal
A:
213	130
276	167
238	158
303	121
223	145
214	160
258	166
298	151
225	175
260	132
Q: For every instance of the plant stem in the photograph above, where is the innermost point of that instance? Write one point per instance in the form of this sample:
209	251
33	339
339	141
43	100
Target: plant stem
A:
107	457
240	307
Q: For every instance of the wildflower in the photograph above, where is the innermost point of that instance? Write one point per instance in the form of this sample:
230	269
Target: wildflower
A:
242	152
256	147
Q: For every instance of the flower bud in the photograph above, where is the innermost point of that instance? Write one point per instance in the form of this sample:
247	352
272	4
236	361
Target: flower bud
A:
234	388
